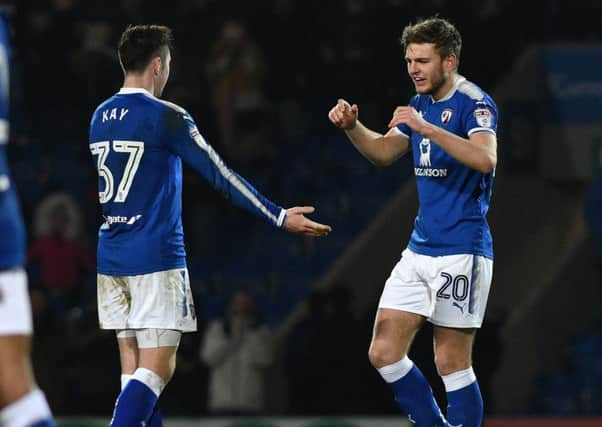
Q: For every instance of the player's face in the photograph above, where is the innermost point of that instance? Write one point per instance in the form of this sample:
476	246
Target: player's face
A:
163	75
430	73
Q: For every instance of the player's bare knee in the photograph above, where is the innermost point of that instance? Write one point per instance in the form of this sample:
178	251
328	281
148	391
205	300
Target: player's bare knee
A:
383	354
166	372
163	366
449	363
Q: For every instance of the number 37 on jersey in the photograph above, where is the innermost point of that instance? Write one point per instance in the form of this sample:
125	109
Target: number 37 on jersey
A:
134	150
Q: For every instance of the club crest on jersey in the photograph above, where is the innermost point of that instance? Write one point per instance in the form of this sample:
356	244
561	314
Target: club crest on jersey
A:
446	116
483	117
425	152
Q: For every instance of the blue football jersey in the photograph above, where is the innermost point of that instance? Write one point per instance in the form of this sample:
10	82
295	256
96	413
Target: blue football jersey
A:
453	198
139	142
12	229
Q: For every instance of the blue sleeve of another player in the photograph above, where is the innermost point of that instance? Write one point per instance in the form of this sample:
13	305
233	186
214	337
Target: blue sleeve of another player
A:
184	139
480	116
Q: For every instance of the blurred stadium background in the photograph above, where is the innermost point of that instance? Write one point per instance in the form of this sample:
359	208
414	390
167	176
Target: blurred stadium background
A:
259	78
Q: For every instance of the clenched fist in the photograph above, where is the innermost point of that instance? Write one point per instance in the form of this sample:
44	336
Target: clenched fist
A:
344	115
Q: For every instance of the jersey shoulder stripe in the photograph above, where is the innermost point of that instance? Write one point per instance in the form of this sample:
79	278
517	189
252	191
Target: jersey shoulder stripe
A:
471	90
173	106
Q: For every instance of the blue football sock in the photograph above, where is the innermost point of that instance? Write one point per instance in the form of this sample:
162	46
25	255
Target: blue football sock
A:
156	419
413	393
465	404
135	405
44	423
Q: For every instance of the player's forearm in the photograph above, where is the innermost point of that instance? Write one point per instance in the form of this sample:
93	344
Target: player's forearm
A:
370	144
477	156
207	162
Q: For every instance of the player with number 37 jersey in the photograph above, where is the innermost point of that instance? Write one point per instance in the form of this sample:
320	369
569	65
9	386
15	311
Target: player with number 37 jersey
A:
138	141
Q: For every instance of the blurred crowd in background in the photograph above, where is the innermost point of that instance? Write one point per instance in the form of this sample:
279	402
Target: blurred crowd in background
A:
259	78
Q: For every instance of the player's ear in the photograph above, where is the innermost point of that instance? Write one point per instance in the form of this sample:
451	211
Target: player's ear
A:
451	61
157	65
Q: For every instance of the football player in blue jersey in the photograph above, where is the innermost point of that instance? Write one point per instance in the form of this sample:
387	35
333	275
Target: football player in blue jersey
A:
445	273
22	403
139	142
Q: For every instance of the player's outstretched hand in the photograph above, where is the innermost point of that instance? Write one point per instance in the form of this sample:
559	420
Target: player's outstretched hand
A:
344	115
296	222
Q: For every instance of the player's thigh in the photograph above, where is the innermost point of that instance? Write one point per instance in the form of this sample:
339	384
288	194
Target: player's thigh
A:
114	301
15	369
393	333
460	287
162	300
157	350
453	348
15	330
128	350
405	289
15	306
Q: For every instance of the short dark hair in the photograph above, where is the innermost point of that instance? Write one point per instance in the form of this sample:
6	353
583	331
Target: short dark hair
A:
440	32
141	43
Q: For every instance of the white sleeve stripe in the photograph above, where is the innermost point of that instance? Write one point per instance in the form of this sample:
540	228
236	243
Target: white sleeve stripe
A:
475	130
233	179
281	218
3	131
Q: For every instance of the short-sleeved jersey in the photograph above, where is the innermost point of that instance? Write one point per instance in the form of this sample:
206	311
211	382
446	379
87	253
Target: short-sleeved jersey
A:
138	142
12	229
453	198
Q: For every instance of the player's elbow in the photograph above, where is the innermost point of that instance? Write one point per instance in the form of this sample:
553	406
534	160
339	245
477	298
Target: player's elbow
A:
487	163
380	161
384	158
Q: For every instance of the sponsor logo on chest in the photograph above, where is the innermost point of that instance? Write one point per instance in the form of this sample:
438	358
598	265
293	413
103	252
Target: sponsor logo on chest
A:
424	162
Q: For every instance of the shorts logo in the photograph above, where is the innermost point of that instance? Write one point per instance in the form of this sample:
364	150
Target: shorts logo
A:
425	152
459	307
446	116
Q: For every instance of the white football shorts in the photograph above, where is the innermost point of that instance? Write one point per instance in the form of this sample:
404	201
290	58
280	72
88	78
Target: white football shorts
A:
15	307
449	290
160	300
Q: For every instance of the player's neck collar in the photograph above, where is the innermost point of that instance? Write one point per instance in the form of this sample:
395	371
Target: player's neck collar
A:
131	90
448	95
